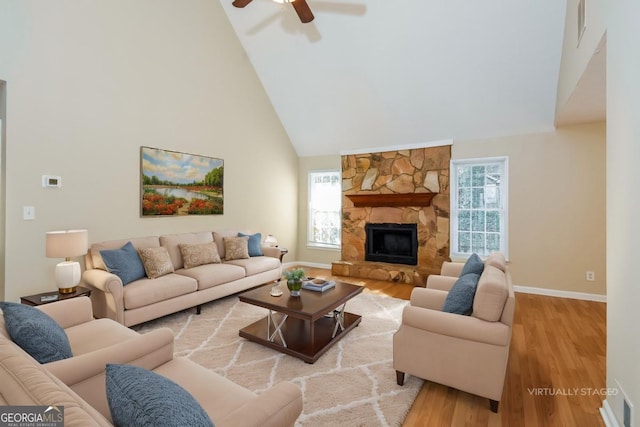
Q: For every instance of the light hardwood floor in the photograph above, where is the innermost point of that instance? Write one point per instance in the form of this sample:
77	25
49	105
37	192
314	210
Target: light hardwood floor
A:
556	371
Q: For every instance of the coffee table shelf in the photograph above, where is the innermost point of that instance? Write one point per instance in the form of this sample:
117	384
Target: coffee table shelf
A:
307	332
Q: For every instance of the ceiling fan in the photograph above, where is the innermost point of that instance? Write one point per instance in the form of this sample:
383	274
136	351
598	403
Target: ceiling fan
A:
301	7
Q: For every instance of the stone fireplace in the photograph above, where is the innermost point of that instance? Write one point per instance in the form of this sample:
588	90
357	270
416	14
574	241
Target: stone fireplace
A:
406	187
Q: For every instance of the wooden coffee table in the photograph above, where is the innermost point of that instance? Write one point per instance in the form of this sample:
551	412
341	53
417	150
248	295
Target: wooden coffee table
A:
306	326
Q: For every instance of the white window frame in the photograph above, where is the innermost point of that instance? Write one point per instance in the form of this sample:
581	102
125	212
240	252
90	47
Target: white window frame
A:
310	241
503	162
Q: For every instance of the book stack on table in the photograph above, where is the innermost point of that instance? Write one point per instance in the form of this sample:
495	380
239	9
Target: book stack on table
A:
318	285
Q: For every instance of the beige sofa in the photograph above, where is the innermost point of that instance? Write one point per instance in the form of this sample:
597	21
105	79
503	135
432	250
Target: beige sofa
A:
78	383
469	353
146	299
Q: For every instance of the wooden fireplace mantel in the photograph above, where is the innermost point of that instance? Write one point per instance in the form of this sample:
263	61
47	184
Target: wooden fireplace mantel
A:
380	200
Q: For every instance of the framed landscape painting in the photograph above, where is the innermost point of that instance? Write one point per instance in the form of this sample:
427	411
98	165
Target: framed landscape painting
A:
174	183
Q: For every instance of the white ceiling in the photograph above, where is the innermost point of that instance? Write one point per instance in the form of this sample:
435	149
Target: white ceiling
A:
377	73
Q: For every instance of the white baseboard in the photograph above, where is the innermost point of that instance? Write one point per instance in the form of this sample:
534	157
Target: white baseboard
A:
561	294
522	289
607	415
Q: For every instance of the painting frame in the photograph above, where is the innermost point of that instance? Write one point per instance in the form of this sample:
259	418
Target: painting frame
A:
174	183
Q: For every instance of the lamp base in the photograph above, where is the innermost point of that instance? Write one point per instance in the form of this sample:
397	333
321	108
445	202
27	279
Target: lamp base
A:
67	290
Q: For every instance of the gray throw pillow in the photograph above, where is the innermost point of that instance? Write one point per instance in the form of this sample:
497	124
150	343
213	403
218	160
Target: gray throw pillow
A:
255	243
35	332
124	263
460	298
139	397
473	265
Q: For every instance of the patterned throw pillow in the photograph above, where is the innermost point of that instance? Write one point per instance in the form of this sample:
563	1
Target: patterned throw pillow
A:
35	332
255	243
139	397
156	261
199	254
459	300
236	248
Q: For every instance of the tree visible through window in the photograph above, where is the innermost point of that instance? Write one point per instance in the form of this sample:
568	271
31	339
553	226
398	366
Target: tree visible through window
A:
478	206
325	195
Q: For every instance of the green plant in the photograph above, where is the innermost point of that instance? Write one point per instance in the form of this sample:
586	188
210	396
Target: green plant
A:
294	274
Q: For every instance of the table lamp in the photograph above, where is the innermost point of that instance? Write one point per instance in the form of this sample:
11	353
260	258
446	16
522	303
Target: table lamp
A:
67	244
270	241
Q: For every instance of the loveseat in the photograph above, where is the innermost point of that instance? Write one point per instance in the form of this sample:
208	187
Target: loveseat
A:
467	352
178	287
78	382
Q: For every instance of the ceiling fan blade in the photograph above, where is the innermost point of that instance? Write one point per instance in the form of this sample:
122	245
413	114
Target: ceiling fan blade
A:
240	3
303	10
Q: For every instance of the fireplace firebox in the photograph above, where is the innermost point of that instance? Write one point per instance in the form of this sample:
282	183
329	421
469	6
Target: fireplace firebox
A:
390	242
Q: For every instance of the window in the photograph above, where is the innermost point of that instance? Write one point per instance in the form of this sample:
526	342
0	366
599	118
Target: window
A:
325	197
478	206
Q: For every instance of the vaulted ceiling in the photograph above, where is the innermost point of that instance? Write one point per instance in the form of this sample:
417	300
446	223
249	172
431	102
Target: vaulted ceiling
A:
376	73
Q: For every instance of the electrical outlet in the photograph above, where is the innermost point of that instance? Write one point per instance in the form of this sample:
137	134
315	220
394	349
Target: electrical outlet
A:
591	276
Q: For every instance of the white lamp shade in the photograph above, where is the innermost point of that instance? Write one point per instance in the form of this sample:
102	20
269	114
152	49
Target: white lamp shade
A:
67	244
270	241
67	274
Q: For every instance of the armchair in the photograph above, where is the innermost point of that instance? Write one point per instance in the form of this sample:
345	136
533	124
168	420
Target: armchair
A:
469	353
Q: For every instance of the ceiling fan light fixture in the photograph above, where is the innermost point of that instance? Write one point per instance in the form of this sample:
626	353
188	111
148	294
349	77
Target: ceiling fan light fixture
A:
284	1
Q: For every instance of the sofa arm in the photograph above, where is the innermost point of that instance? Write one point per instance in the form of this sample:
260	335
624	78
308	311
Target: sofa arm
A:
69	312
279	406
467	328
110	302
428	298
148	350
443	283
271	251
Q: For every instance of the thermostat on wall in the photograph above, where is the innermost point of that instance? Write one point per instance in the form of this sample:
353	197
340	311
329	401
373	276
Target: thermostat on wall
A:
51	181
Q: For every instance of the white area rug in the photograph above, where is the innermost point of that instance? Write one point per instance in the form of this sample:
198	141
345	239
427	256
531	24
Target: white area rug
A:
353	384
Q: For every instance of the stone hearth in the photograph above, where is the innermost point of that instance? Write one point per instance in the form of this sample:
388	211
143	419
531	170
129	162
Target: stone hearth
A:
404	173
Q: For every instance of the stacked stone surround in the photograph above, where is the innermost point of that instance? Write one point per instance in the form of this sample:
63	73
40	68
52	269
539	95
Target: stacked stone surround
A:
407	171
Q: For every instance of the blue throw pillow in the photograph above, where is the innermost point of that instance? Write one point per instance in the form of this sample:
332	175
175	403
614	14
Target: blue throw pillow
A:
35	332
138	397
473	265
255	243
460	298
124	263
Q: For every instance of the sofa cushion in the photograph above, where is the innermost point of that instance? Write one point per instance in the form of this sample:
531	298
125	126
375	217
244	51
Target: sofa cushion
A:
210	275
256	265
156	261
491	295
148	291
140	397
172	242
124	263
236	248
473	265
459	299
199	254
35	332
255	243
138	242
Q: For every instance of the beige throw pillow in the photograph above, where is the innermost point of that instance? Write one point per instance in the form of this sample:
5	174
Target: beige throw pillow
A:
236	248
156	261
199	254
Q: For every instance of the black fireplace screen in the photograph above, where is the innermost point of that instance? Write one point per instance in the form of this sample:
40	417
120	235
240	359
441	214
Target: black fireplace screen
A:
394	243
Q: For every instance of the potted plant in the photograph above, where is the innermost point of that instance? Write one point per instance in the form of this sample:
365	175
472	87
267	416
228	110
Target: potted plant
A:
294	280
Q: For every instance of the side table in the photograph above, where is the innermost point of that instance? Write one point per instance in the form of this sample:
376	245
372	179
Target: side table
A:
37	299
283	252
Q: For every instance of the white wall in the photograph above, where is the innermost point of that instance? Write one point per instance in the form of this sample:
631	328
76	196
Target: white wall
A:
623	204
575	58
89	82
